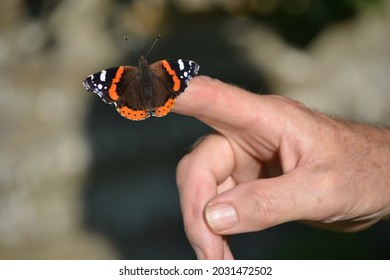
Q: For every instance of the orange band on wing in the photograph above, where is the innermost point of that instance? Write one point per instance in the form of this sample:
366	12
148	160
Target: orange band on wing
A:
176	80
134	115
165	109
112	90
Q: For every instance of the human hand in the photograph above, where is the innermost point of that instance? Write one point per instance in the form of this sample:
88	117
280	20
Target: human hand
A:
272	161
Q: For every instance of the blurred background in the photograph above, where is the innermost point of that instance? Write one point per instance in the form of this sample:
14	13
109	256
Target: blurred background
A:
78	181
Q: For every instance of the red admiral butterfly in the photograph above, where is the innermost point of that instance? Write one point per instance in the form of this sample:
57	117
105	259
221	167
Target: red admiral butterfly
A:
143	91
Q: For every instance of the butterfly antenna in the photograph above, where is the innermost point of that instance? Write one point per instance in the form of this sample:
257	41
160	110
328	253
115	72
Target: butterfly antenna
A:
131	45
155	41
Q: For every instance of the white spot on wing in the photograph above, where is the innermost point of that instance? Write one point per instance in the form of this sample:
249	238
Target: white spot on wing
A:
181	64
103	75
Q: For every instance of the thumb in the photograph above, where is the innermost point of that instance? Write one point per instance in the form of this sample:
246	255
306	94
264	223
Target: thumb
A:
264	203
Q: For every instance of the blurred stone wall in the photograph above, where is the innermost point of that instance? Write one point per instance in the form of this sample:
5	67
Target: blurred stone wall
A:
344	70
44	153
78	181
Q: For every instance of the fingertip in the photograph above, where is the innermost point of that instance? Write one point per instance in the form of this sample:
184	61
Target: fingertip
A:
199	94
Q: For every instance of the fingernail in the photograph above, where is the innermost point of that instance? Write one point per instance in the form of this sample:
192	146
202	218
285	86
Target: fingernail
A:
221	217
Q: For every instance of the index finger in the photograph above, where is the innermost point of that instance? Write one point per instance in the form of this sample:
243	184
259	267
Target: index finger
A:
218	104
257	123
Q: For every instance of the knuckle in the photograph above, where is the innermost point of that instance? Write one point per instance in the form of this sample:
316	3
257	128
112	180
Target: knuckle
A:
182	168
261	208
